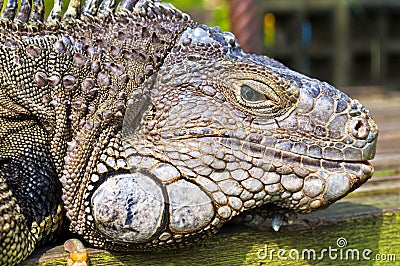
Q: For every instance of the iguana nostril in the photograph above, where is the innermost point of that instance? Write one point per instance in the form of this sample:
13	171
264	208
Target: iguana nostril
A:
359	128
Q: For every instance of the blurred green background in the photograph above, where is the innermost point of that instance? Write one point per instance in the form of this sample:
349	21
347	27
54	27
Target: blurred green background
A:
210	12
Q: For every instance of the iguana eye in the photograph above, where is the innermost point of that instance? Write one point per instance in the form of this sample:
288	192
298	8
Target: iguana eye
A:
258	97
250	95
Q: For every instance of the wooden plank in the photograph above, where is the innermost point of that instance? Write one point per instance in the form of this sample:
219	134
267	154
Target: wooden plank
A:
364	225
385	109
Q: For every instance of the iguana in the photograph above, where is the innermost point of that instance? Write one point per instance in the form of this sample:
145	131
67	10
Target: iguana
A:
139	128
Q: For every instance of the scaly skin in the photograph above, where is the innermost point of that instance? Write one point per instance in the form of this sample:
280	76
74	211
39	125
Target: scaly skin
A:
147	130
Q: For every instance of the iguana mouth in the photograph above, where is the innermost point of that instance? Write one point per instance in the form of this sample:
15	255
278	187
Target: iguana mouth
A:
252	148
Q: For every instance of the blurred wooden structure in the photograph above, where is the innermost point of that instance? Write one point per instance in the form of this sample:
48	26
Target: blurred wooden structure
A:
244	20
348	43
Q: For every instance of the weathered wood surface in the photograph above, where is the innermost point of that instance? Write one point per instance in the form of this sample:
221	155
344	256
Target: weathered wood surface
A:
369	218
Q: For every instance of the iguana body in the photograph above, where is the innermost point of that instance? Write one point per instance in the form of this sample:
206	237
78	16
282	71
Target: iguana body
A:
147	130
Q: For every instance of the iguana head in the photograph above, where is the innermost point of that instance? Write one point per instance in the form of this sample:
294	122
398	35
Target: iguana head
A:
246	128
213	133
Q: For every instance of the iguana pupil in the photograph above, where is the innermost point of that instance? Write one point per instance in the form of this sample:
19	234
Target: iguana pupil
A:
250	95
